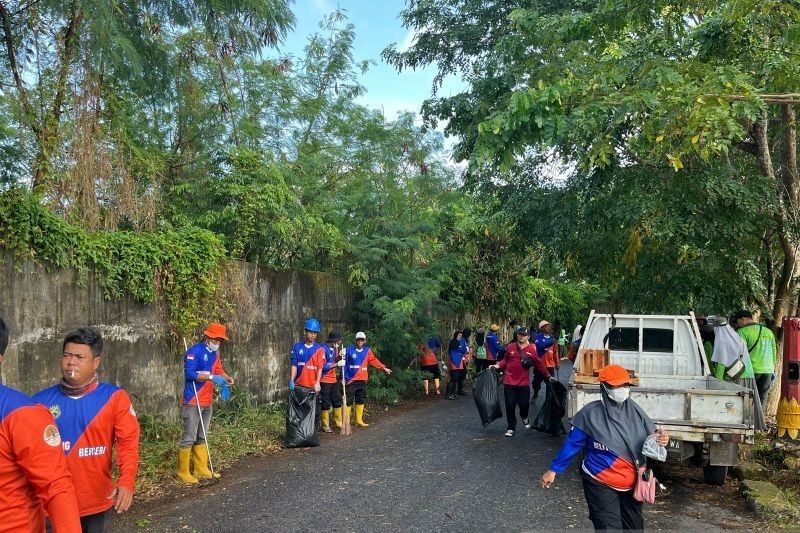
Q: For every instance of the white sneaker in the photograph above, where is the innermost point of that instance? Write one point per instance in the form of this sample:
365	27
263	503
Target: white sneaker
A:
510	433
527	423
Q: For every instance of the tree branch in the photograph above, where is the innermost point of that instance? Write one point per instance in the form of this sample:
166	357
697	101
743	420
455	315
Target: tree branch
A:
11	53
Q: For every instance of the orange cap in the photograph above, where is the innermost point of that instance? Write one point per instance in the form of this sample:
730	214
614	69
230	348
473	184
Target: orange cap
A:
614	375
215	330
543	323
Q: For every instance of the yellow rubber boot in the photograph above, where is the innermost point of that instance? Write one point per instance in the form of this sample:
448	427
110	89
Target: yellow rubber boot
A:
360	416
184	456
337	417
326	421
200	458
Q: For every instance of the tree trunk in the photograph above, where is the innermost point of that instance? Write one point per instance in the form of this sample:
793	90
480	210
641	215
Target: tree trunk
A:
48	134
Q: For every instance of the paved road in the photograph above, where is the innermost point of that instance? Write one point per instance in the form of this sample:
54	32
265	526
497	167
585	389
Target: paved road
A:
425	469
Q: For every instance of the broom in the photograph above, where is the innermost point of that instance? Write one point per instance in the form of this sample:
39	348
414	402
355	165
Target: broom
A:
345	412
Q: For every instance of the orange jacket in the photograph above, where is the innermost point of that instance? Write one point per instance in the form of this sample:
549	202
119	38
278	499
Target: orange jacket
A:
33	470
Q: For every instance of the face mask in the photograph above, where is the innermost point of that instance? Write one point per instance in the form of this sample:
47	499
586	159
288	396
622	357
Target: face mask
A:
213	346
619	395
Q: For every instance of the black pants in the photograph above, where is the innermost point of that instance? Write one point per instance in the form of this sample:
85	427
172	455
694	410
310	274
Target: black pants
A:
611	509
357	392
91	523
538	379
516	396
482	364
763	384
456	381
331	395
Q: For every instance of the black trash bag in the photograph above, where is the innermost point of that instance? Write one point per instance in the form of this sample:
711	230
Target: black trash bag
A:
300	419
550	417
486	392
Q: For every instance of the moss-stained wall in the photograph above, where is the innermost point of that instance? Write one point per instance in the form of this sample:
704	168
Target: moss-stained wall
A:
40	306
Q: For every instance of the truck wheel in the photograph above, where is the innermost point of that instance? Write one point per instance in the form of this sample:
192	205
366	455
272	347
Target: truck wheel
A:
715	475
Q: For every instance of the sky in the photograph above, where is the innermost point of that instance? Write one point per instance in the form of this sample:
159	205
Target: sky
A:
377	25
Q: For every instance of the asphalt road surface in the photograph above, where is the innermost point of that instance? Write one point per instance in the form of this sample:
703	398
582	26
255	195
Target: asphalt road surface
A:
431	468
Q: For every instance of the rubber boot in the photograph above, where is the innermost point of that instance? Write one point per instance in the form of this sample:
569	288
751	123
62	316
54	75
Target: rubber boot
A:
200	459
184	456
337	417
326	421
360	416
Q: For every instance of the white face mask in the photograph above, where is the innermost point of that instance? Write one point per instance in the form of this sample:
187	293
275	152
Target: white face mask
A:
620	394
213	346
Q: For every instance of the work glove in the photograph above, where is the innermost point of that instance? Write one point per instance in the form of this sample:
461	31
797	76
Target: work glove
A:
219	380
291	384
340	363
342	352
225	392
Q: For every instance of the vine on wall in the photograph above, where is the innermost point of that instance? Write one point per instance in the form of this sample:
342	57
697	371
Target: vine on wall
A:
181	268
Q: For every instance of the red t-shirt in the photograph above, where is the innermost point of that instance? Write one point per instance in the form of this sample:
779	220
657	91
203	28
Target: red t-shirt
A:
515	373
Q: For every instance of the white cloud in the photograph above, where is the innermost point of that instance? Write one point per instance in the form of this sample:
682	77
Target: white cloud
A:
322	6
409	41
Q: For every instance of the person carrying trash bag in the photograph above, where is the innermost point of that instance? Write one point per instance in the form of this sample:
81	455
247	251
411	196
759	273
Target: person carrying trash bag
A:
486	392
520	358
308	362
330	390
202	369
550	417
611	432
358	358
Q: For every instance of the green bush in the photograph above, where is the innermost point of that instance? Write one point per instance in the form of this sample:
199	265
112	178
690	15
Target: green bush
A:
402	384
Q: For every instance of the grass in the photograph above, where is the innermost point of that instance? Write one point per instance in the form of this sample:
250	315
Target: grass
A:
240	427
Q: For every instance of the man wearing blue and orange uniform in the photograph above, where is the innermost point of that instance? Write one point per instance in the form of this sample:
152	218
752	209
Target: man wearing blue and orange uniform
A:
33	470
330	390
202	369
308	358
93	418
358	358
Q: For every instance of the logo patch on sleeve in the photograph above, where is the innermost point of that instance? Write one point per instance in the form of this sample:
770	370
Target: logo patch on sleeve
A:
51	436
132	411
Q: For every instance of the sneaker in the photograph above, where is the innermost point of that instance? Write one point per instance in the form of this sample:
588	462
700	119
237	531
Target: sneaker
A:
527	423
510	433
451	397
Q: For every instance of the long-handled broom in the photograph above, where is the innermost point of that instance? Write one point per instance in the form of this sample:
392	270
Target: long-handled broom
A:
346	430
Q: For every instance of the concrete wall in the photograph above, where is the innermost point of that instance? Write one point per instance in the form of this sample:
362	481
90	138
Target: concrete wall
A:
41	305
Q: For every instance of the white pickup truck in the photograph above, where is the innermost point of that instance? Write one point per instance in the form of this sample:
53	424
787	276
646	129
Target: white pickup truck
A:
706	418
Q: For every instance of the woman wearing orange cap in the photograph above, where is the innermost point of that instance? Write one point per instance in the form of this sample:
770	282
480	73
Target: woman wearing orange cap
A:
611	433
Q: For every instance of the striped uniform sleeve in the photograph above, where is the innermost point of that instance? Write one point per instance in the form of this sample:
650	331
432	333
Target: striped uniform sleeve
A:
575	442
126	435
374	361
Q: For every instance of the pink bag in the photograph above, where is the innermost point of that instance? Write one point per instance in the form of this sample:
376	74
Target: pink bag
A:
645	489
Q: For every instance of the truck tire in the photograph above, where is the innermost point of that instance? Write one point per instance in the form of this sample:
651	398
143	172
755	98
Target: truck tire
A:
715	475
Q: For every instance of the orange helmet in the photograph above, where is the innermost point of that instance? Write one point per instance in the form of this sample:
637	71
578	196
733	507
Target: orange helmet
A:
614	375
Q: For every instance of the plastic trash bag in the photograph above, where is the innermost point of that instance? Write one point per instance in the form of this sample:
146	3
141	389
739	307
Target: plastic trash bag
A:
300	417
653	449
486	392
550	417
